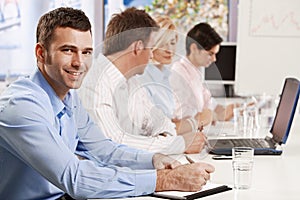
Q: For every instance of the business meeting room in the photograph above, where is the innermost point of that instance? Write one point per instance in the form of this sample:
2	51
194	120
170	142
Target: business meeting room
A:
149	99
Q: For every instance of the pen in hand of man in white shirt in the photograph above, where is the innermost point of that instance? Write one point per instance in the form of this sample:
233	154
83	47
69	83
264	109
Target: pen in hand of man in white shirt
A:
195	141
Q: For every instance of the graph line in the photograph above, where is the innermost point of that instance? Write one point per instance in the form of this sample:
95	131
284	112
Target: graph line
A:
274	23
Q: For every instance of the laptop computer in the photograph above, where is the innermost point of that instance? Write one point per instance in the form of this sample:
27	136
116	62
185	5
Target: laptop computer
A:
279	131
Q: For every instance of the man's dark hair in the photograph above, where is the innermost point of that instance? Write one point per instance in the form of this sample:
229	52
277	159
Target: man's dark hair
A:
204	36
60	17
127	27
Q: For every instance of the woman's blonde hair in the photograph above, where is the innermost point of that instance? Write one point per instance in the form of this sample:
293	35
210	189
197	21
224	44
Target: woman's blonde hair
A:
166	30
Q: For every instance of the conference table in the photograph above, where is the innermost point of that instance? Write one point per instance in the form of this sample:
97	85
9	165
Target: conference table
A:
274	177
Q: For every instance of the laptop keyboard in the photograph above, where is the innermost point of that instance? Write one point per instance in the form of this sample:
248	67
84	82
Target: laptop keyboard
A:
257	143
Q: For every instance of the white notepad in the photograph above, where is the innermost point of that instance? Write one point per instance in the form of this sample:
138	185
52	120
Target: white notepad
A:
208	189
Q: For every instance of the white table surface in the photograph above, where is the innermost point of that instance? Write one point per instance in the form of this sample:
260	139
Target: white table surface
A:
274	177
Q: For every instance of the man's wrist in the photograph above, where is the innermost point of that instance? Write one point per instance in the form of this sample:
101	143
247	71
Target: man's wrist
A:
193	123
161	180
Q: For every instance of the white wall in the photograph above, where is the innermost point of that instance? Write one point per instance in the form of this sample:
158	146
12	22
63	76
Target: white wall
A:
268	45
94	10
30	12
17	49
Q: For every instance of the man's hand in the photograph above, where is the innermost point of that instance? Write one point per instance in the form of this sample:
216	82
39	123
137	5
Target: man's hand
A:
194	142
161	161
189	177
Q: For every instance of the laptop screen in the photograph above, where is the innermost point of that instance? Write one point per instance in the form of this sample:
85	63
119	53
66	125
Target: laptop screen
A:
285	110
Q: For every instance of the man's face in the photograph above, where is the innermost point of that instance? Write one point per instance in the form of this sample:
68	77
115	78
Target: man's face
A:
67	59
205	58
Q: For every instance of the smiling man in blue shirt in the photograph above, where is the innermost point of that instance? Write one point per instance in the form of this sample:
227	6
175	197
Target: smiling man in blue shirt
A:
43	126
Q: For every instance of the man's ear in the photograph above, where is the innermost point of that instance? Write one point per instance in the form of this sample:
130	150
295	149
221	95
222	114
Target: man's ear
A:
193	47
138	46
40	53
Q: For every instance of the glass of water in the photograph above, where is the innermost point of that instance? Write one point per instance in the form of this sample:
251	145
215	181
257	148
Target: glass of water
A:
242	164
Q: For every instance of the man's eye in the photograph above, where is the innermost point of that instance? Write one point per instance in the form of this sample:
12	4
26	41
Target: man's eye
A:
87	52
67	50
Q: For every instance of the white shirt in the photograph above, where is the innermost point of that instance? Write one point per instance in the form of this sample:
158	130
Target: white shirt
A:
125	115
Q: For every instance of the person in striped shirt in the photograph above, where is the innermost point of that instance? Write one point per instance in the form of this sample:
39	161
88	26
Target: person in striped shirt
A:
108	97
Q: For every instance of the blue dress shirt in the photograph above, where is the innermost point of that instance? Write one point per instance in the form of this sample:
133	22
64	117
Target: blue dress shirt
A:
39	136
157	84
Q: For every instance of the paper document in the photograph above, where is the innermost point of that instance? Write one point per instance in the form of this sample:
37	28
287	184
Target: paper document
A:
208	189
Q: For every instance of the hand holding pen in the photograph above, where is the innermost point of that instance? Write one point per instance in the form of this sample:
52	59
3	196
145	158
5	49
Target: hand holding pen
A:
195	142
206	175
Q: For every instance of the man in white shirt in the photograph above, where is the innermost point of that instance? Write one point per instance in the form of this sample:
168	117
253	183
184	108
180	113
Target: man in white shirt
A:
106	93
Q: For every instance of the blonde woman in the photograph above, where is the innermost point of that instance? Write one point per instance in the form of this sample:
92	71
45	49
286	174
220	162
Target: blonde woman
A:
156	75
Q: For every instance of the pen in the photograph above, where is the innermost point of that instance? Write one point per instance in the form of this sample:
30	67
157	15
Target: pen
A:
221	157
189	159
208	144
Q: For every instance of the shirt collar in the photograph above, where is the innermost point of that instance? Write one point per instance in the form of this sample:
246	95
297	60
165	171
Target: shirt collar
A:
58	106
117	78
186	62
157	74
191	69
